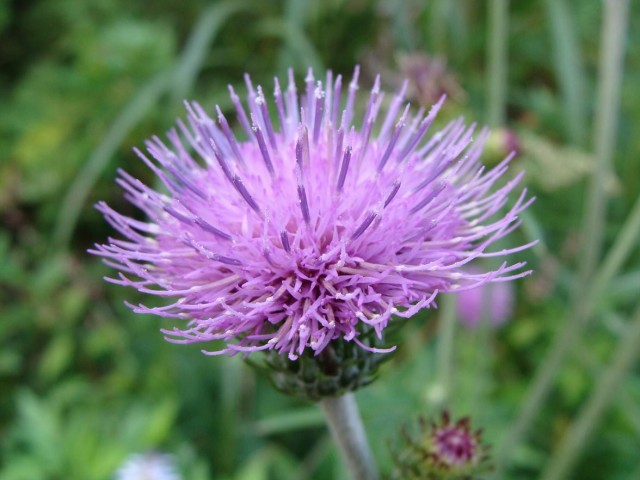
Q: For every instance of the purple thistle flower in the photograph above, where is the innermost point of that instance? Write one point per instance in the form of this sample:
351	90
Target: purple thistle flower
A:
317	226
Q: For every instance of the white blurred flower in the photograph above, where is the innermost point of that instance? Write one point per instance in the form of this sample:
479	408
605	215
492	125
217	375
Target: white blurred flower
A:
148	466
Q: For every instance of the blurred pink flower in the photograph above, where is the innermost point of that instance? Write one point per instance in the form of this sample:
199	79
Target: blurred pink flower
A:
491	300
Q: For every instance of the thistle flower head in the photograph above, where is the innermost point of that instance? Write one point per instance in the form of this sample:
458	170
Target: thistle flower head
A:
315	224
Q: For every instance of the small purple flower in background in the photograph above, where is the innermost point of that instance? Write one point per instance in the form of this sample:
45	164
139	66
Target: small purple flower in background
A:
493	302
149	466
316	226
442	449
454	445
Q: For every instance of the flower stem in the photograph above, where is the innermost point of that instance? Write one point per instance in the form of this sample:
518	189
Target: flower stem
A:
348	432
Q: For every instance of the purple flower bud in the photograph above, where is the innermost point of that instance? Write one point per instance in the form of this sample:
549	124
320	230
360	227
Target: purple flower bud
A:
454	445
442	449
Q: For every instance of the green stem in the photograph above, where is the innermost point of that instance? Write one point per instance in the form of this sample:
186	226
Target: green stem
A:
348	432
497	56
446	338
585	293
606	390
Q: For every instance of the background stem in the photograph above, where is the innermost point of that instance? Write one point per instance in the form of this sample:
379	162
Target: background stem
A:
497	58
610	73
604	131
446	340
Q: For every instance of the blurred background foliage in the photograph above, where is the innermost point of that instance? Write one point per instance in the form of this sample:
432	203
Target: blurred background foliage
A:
84	382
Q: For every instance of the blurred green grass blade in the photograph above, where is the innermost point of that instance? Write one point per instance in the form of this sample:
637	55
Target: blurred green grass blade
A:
605	129
626	403
497	54
568	68
439	12
626	241
128	118
401	15
458	19
317	454
448	320
40	428
296	12
159	421
483	356
533	230
610	72
268	462
301	418
447	28
605	391
230	416
181	77
57	356
195	51
623	288
295	41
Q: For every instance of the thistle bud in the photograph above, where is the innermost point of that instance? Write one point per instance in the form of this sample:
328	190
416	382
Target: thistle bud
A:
442	450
